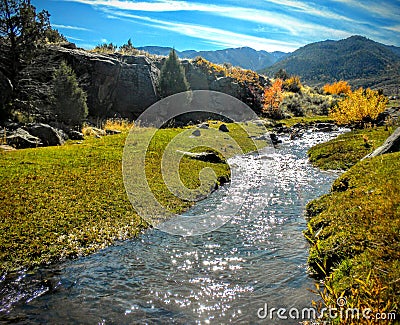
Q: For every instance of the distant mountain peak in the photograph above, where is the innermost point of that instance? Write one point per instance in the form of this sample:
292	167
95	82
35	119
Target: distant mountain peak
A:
357	59
245	57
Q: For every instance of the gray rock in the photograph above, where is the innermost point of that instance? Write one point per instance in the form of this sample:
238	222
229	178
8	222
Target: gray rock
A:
262	137
48	135
196	133
326	127
203	126
274	138
223	128
112	132
21	139
392	144
390	115
75	135
206	156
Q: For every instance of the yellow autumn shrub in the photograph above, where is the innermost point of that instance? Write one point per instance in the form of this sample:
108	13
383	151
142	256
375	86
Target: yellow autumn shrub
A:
359	107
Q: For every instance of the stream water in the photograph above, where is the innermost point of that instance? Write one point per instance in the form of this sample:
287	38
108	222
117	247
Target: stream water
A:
257	258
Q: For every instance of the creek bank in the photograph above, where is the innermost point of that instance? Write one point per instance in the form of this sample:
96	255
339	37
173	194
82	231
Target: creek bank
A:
353	230
72	202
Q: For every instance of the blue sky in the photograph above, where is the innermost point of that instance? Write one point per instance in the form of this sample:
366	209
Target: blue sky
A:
271	25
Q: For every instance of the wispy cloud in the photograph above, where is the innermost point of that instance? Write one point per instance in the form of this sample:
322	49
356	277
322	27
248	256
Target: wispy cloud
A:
375	8
210	34
270	18
74	38
70	27
280	21
313	9
395	28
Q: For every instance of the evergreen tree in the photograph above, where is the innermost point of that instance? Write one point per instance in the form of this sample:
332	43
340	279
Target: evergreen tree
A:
69	99
172	76
22	29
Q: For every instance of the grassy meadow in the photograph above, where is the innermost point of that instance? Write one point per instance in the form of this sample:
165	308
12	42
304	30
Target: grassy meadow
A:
68	201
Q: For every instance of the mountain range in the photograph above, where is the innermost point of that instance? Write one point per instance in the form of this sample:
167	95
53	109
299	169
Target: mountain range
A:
360	61
244	57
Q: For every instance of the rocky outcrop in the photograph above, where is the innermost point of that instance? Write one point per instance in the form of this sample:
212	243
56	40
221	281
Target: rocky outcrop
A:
116	85
392	144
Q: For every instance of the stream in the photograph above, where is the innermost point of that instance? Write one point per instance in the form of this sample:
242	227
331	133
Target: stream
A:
257	259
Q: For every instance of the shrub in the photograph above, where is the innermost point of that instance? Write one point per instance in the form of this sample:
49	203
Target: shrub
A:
359	107
69	99
293	104
105	48
273	97
292	84
337	88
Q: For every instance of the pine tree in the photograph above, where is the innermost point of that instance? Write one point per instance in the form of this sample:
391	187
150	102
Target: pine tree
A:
172	76
69	99
22	29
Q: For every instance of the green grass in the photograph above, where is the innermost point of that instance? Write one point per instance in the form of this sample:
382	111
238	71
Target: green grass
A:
347	149
355	229
60	202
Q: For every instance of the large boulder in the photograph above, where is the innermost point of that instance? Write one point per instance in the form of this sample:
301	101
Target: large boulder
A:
75	135
48	135
392	144
21	139
120	88
388	116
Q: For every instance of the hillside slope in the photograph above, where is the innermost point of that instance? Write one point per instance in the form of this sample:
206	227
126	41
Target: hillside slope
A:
359	60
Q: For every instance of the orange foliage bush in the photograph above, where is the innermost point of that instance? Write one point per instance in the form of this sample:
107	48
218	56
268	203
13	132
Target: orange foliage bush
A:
337	88
273	97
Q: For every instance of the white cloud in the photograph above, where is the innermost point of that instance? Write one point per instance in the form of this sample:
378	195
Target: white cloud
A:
70	27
